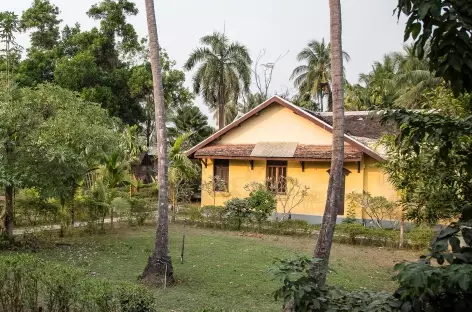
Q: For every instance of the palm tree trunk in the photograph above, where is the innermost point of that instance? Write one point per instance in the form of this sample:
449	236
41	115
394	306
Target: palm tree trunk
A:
159	267
333	201
9	211
221	106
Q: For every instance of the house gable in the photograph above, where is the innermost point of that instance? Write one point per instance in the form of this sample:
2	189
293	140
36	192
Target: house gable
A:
244	135
276	123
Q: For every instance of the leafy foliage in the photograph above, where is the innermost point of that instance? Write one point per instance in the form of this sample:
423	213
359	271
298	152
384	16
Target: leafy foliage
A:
428	287
378	208
301	293
261	202
446	28
29	284
429	147
399	80
238	210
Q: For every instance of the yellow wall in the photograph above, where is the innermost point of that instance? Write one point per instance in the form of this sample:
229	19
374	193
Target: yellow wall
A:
370	178
376	181
277	124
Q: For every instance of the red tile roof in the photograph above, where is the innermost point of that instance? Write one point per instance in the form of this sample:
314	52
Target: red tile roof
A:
303	151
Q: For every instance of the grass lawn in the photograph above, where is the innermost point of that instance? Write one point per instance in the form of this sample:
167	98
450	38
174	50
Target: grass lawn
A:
222	269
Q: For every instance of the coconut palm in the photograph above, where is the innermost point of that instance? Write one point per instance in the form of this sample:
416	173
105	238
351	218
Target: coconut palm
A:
223	71
159	267
334	197
399	80
189	118
314	76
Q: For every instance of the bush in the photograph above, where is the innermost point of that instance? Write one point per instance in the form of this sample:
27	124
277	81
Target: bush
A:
262	203
238	210
299	292
215	214
140	210
31	210
291	227
29	284
420	237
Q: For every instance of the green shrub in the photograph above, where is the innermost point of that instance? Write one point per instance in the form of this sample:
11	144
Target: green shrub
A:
238	210
291	227
31	210
140	210
215	214
442	279
147	191
262	203
300	293
28	284
420	237
353	231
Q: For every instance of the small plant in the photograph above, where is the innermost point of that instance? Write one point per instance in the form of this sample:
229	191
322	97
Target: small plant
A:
295	194
140	210
351	213
261	202
378	208
238	210
215	185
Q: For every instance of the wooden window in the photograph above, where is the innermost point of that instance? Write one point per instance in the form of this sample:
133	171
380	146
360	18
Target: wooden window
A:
277	176
221	175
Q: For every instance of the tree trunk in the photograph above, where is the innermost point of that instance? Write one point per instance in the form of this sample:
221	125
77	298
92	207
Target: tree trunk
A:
323	246
9	216
159	267
111	217
221	106
402	230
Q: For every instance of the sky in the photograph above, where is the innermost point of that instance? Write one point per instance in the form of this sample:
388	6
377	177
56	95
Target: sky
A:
281	27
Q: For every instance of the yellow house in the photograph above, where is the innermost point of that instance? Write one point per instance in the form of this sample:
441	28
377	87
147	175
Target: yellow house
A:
278	140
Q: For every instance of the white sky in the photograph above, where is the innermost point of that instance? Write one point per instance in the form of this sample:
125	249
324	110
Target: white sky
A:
369	28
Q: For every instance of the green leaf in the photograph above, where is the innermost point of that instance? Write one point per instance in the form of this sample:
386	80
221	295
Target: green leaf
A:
447	232
423	10
415	30
455	244
464	282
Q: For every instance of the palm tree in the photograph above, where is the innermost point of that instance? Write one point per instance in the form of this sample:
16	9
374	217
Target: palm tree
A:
314	77
322	250
159	267
398	81
181	170
224	71
189	118
114	172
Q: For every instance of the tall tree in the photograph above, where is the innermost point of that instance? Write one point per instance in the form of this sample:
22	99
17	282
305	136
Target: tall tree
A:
9	27
223	72
333	200
314	77
159	267
42	18
399	80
